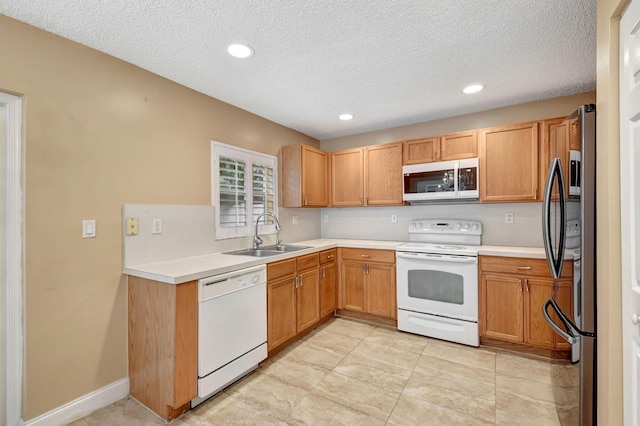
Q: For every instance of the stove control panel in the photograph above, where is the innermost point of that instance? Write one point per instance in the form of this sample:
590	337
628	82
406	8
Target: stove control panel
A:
445	226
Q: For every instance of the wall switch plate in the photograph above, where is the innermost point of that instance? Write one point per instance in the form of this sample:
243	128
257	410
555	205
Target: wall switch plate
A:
325	218
508	217
156	227
131	226
394	217
294	220
89	228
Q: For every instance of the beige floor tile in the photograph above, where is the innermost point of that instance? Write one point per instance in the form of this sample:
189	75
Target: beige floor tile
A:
463	394
295	372
475	357
512	409
405	341
565	397
316	410
267	394
382	374
227	410
385	353
319	356
434	366
536	370
362	396
124	412
338	342
412	411
349	328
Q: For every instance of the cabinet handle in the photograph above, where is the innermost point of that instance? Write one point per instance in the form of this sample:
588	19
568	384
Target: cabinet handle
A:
367	269
520	282
366	256
300	280
296	282
366	201
323	272
305	200
524	268
526	285
364	268
330	257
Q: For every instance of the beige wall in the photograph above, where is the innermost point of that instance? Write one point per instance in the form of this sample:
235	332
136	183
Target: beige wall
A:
100	133
609	298
539	110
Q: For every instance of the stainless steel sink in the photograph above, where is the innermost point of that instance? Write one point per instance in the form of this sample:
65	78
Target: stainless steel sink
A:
267	250
285	248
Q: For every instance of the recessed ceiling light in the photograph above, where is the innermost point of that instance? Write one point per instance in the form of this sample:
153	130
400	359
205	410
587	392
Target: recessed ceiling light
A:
474	88
345	117
240	51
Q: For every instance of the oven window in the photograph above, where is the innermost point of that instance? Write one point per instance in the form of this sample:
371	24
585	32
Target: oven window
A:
436	286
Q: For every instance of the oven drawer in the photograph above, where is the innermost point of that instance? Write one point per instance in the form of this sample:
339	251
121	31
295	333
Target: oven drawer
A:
521	266
368	255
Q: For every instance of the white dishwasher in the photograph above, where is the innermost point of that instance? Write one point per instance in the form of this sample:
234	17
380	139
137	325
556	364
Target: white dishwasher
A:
232	328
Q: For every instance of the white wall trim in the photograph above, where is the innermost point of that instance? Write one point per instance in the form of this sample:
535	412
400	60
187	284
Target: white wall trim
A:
84	405
14	252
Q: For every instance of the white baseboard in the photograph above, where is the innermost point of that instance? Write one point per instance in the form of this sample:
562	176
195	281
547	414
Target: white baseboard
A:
84	405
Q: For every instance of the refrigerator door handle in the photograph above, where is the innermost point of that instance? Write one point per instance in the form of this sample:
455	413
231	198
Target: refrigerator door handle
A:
555	259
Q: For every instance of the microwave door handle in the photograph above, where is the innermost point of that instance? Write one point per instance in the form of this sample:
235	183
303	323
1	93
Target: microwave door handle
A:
456	177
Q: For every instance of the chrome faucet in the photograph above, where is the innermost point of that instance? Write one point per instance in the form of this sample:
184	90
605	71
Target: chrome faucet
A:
256	238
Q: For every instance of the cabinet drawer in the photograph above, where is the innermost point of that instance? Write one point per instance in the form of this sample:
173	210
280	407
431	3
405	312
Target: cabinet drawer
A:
281	269
368	255
522	266
328	256
308	261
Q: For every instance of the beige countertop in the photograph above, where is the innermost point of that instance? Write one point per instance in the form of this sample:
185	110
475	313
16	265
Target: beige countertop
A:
186	269
516	251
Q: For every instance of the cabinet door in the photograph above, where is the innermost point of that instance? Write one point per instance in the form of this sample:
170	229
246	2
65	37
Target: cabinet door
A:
554	143
315	187
383	172
281	311
381	290
347	177
328	289
501	308
565	301
457	146
509	163
353	285
537	332
421	151
308	300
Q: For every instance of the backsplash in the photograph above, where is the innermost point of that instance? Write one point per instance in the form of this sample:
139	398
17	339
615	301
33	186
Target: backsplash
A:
375	222
190	231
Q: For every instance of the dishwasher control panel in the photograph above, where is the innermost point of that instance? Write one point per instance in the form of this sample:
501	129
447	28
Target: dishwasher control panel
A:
219	285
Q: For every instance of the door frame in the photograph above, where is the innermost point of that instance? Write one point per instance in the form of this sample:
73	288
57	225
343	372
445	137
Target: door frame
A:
14	252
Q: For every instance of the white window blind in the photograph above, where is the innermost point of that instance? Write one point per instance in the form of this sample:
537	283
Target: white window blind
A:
244	185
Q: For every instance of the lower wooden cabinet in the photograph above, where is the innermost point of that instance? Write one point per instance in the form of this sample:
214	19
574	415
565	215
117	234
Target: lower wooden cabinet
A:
513	292
293	298
328	283
368	282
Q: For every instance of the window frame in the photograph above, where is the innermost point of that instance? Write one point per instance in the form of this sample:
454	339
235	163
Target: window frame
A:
250	158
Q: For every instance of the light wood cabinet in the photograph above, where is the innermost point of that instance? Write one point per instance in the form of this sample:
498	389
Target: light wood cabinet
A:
368	282
509	168
328	283
163	345
369	176
454	146
304	176
293	298
554	143
513	292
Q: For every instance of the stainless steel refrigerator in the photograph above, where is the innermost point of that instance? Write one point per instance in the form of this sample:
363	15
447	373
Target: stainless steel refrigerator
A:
559	203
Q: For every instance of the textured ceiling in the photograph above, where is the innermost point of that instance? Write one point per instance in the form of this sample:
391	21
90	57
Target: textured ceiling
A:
388	62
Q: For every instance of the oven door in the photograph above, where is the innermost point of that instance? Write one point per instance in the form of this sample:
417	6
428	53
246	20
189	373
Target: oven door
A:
444	285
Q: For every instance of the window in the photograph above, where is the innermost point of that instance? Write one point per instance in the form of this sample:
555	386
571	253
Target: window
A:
243	186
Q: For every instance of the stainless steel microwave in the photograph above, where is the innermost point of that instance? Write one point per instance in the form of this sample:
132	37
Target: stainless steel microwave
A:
443	180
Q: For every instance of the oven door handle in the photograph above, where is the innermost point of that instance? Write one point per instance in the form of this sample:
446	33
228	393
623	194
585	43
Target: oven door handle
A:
437	257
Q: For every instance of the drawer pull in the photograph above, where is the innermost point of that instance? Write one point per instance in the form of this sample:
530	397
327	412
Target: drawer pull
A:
524	268
330	256
366	256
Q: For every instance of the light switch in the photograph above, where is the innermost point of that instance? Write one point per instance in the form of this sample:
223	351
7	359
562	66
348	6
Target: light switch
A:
294	220
132	226
89	228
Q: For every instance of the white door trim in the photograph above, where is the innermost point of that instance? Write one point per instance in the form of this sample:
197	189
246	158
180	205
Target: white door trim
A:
14	213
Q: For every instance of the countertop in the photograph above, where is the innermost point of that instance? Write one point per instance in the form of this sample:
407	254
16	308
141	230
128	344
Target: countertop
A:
186	269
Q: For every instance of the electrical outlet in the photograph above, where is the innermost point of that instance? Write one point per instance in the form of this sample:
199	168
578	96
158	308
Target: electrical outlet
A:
156	227
508	217
394	217
132	226
294	220
325	218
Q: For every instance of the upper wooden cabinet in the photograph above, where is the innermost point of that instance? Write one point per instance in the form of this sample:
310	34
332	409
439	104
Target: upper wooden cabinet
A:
369	176
509	163
304	176
454	146
554	143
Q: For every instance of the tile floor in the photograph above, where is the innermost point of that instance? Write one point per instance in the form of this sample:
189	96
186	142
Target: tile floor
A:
351	373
